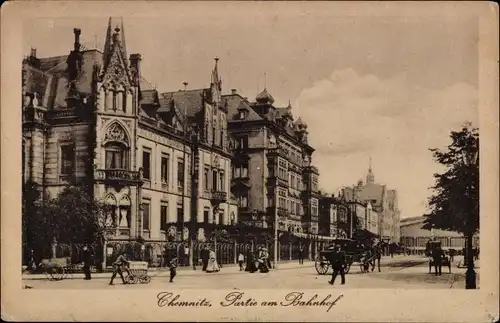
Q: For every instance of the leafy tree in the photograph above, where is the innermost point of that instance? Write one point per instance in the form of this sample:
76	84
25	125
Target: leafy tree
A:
455	203
73	217
76	217
32	220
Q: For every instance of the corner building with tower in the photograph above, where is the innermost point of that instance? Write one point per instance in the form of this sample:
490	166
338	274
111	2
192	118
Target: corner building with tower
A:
273	175
90	117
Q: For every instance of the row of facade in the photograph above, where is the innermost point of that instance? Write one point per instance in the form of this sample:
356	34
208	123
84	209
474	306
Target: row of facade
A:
374	205
163	159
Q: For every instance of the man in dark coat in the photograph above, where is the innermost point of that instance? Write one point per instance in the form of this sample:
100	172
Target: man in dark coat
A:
301	255
437	254
87	260
250	266
205	255
378	255
338	262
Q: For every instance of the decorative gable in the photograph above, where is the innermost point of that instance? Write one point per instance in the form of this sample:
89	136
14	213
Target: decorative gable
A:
116	72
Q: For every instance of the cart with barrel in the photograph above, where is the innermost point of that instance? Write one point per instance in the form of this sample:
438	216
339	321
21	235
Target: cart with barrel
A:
353	254
138	272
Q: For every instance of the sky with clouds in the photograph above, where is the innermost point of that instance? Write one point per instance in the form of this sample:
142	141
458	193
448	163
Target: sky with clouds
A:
385	87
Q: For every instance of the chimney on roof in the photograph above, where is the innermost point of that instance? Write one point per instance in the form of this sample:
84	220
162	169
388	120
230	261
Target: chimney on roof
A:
75	60
135	64
32	59
234	91
77	32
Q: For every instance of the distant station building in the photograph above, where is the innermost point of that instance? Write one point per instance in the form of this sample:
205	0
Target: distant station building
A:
414	238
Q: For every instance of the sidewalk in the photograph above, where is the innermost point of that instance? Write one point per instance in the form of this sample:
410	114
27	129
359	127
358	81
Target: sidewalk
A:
229	269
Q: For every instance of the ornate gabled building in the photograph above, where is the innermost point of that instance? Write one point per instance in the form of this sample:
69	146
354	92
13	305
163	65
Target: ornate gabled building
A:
382	200
159	160
272	169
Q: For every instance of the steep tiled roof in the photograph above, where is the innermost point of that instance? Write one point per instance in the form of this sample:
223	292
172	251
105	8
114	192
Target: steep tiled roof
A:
189	102
55	79
49	63
371	192
36	81
234	103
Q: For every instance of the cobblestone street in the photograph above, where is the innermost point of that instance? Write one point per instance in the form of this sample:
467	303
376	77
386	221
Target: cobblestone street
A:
399	272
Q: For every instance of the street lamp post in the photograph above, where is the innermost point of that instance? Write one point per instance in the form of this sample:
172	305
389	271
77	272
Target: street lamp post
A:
276	238
216	209
470	159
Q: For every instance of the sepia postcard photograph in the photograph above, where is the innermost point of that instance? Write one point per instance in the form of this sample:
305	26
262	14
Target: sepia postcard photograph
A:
250	161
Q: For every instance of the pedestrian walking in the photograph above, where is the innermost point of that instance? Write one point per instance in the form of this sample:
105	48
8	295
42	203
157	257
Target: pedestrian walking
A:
301	255
452	255
241	260
186	255
212	263
172	265
205	256
338	263
120	263
87	260
264	264
250	267
32	262
378	255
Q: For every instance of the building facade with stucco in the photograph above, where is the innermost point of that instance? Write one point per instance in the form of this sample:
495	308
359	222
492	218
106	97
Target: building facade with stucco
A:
273	173
159	159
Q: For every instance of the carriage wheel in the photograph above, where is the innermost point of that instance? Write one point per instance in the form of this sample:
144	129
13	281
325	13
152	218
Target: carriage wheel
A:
321	266
56	272
131	279
348	267
144	279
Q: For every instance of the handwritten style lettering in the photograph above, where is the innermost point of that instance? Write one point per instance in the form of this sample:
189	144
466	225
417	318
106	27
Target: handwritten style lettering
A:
296	299
235	299
169	299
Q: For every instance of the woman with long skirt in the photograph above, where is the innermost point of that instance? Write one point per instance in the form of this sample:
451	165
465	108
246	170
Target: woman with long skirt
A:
212	263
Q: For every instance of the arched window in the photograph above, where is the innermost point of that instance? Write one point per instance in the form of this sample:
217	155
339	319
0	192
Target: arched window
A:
116	156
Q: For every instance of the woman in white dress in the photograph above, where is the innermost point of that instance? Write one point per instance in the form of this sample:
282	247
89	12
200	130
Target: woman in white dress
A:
212	263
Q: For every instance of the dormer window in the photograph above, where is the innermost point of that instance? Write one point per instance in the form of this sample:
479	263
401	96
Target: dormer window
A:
242	115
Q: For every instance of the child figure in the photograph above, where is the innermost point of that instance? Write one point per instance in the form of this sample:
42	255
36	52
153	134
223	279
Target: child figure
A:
173	268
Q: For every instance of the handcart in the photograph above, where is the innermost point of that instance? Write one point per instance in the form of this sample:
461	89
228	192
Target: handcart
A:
138	272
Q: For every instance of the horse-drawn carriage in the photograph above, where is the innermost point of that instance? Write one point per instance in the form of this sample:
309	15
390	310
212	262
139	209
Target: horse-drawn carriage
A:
354	253
430	251
59	268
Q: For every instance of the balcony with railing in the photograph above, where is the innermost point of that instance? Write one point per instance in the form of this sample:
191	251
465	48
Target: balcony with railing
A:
117	176
217	197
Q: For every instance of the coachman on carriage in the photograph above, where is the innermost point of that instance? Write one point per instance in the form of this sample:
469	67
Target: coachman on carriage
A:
437	257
